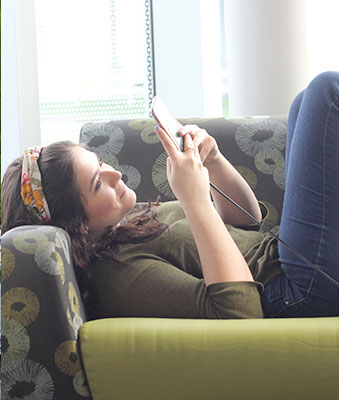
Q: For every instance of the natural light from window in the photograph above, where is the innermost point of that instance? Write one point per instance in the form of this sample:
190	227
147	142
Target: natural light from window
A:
87	69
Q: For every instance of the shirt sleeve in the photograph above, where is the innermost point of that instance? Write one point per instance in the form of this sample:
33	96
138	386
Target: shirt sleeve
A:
154	288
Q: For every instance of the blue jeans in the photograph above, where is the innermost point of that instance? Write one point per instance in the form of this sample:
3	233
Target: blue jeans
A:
310	216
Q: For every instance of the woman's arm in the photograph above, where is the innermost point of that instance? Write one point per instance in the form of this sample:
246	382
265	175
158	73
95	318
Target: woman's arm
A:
220	258
226	178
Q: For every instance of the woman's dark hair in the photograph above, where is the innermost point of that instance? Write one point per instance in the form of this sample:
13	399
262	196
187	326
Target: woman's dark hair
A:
59	182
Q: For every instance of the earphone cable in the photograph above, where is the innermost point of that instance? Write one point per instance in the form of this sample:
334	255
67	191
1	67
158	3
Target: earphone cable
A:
295	252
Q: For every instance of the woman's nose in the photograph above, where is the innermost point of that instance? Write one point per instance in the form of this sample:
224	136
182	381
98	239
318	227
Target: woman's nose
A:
112	176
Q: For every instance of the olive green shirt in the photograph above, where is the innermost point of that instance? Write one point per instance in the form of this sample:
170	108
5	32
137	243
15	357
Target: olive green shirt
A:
163	277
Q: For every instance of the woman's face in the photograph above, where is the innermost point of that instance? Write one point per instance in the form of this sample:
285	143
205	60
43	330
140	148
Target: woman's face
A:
106	198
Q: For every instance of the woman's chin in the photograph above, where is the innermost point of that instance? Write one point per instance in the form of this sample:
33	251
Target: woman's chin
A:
133	196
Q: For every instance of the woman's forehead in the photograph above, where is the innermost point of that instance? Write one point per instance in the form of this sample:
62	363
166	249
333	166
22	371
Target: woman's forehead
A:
82	154
86	163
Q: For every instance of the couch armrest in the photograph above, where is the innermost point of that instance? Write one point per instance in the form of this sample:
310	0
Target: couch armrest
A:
255	146
139	358
41	316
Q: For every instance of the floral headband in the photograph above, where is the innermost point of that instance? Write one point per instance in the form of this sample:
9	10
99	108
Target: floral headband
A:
31	188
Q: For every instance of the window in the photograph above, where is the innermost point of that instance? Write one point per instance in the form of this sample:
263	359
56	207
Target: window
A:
94	63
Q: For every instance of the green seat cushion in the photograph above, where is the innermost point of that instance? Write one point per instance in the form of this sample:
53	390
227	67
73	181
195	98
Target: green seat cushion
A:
149	358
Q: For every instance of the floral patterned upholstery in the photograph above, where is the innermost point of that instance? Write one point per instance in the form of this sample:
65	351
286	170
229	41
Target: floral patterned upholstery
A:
41	315
41	307
254	145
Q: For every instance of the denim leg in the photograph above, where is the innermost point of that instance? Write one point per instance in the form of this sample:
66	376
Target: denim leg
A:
310	216
292	120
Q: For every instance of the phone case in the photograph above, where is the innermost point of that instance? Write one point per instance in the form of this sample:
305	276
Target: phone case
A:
167	122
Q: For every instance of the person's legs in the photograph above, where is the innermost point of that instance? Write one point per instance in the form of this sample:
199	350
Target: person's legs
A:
292	120
310	217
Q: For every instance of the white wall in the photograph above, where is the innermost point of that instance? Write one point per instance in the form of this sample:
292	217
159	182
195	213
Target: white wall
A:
10	140
187	56
177	48
275	47
324	37
20	119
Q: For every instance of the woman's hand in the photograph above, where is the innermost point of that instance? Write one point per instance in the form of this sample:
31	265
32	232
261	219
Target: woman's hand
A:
206	144
186	174
225	177
220	258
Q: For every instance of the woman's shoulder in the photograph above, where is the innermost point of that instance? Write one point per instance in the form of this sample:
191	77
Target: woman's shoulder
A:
167	212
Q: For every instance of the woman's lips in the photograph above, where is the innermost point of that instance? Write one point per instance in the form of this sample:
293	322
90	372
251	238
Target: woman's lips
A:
123	191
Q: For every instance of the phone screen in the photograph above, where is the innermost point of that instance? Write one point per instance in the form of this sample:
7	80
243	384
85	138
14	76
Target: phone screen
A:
167	122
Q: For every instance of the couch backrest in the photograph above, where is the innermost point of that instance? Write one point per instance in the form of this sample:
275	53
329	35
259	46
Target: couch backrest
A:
254	145
41	315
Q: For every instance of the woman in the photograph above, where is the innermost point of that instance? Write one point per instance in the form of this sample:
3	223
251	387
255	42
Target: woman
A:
185	262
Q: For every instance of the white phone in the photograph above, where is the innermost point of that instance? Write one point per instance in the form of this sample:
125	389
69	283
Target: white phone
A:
167	122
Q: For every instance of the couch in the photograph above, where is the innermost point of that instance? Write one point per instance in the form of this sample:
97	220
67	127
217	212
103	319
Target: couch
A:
51	351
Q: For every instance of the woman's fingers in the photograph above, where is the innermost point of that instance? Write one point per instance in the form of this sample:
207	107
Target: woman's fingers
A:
188	129
188	143
185	172
203	142
190	146
170	147
166	141
199	138
198	134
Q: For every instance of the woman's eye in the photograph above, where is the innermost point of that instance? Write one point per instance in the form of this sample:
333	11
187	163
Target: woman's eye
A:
98	184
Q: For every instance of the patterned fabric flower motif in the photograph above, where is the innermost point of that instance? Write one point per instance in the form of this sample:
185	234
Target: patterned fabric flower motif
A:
271	219
279	176
8	262
37	195
264	140
61	267
193	121
73	299
29	380
30	242
79	384
149	136
130	175
141	124
268	160
15	343
255	136
24	178
62	243
104	139
111	160
31	186
20	304
241	119
159	176
49	260
272	162
26	193
75	323
67	359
